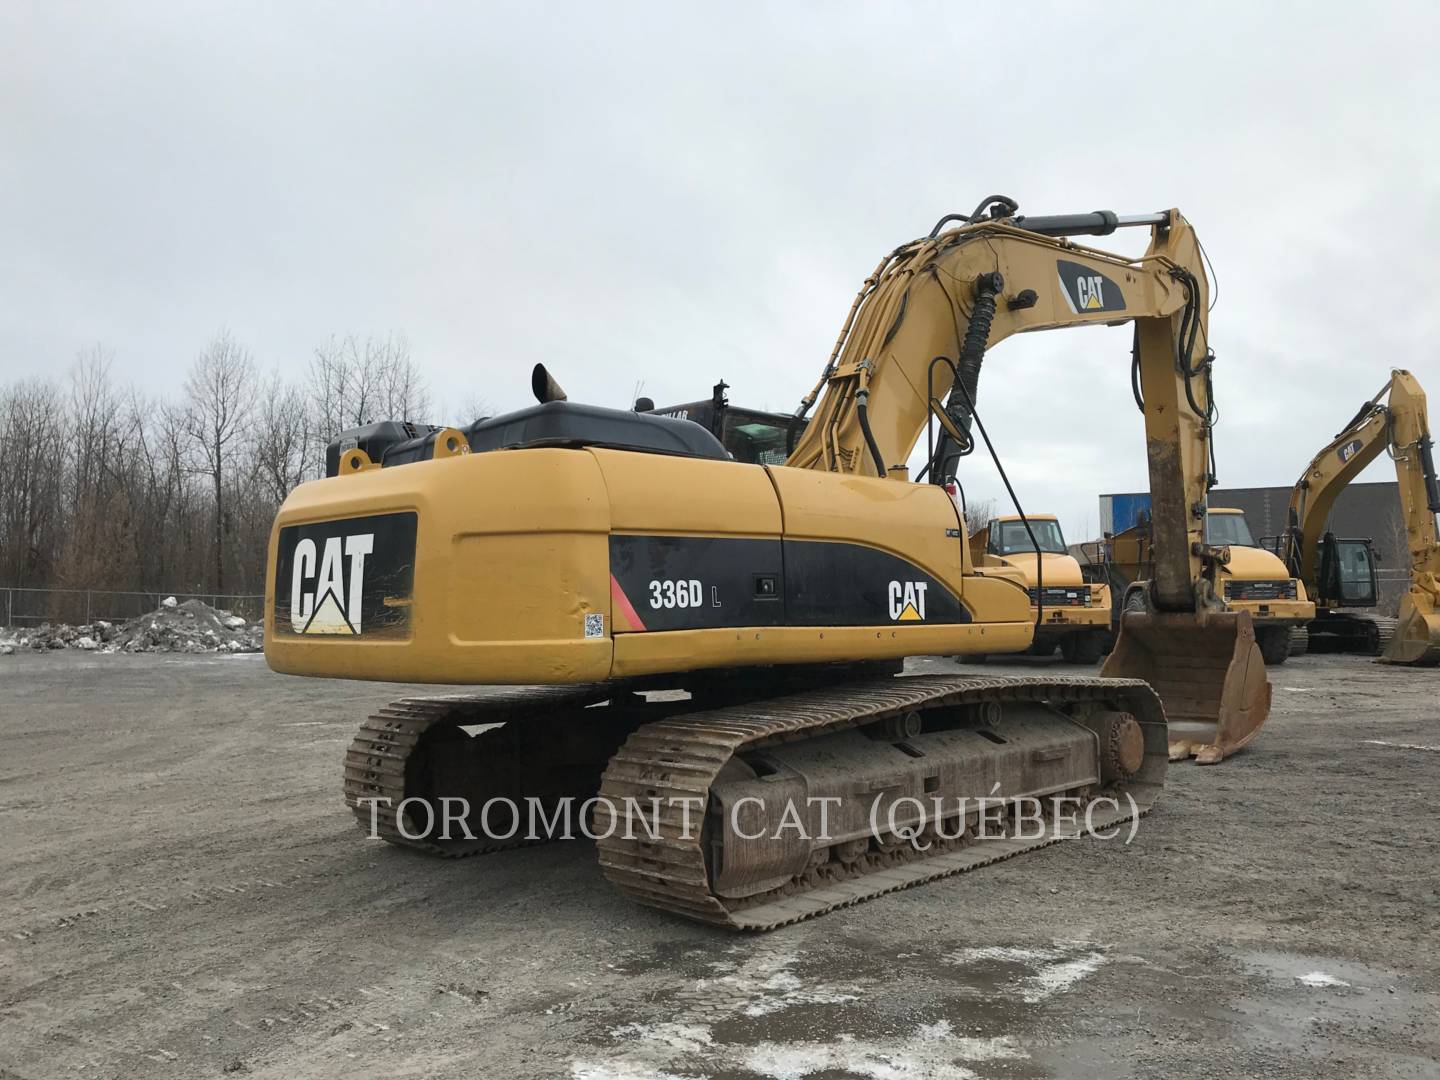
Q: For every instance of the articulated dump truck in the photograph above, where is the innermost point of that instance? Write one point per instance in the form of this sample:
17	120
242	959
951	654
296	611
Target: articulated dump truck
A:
1070	613
590	557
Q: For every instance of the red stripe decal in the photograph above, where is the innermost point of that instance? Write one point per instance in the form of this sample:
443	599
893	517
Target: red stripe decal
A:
623	605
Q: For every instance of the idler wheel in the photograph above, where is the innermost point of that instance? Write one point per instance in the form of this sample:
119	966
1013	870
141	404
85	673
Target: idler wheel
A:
1122	746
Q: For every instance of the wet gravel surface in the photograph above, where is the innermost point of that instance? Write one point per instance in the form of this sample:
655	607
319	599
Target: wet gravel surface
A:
182	894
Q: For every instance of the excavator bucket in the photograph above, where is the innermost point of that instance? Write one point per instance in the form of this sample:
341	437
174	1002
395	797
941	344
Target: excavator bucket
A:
1208	672
1417	636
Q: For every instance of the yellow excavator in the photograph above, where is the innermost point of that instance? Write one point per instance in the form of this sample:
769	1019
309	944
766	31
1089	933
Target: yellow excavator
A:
1070	613
590	557
1340	572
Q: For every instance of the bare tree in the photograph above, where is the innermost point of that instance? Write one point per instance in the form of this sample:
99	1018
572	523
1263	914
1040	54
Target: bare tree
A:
473	407
282	450
354	381
32	468
219	401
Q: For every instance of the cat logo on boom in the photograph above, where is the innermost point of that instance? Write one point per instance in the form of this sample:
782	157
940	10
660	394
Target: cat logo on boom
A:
1349	450
1087	290
327	582
907	601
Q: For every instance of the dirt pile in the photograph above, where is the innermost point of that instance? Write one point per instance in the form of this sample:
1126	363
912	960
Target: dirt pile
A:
190	627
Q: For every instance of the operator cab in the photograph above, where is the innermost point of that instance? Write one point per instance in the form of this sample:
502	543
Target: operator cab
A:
1008	536
750	435
1347	572
1228	528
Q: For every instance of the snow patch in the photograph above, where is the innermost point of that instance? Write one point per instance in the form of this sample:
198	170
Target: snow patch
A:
1319	978
1058	978
580	1070
763	984
924	1056
681	1038
1052	970
1401	745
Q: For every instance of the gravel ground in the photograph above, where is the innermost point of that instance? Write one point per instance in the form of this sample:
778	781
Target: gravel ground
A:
182	894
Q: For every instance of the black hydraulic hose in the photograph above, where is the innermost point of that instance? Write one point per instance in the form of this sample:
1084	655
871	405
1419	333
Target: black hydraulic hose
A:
930	422
965	388
1015	501
862	413
1008	205
977	335
1135	371
1427	467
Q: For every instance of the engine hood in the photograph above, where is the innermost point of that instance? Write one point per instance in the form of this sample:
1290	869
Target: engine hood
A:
1056	569
1254	564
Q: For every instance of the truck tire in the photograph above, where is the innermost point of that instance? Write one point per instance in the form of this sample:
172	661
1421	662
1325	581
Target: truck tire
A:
1274	642
1084	648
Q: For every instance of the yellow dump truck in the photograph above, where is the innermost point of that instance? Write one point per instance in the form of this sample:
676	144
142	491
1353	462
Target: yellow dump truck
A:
1070	613
1251	578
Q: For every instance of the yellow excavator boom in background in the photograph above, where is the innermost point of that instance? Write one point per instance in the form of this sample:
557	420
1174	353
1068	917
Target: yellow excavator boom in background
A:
606	554
1339	572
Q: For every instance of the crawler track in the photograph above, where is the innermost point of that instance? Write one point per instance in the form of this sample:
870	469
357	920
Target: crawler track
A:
681	757
548	743
398	751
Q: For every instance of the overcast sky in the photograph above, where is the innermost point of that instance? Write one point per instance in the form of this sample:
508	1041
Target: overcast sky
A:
668	195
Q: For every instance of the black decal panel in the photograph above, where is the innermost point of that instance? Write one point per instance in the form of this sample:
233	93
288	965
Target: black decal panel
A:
698	582
348	578
1087	290
835	584
688	583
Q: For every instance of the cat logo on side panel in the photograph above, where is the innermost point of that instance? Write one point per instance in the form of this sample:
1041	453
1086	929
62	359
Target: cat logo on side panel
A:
907	601
326	584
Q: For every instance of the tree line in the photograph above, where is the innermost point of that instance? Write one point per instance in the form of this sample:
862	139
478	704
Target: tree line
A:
105	487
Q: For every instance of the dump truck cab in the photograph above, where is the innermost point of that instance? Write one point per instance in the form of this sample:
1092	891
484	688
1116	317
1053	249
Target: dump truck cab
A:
1072	614
1257	581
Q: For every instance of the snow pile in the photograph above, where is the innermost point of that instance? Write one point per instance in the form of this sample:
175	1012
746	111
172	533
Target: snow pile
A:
190	627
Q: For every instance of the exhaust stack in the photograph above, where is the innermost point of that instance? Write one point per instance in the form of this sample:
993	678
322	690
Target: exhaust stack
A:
544	386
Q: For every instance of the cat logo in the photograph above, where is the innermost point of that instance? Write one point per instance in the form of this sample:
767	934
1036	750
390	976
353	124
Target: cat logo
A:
326	584
1086	290
1349	450
907	601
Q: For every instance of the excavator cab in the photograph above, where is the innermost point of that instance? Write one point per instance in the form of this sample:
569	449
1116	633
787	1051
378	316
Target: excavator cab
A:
1347	572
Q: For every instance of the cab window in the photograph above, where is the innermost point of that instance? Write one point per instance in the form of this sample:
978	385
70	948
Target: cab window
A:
1010	537
1228	529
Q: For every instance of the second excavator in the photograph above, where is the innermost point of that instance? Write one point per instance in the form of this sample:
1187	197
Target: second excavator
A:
1339	572
594	557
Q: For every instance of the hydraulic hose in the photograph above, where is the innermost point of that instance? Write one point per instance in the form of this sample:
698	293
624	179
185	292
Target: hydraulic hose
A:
960	405
862	413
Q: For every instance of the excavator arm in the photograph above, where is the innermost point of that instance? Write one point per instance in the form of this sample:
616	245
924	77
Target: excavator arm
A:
1394	420
911	351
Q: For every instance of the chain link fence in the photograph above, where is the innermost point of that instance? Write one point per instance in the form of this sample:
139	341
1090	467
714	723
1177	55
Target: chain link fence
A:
31	607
